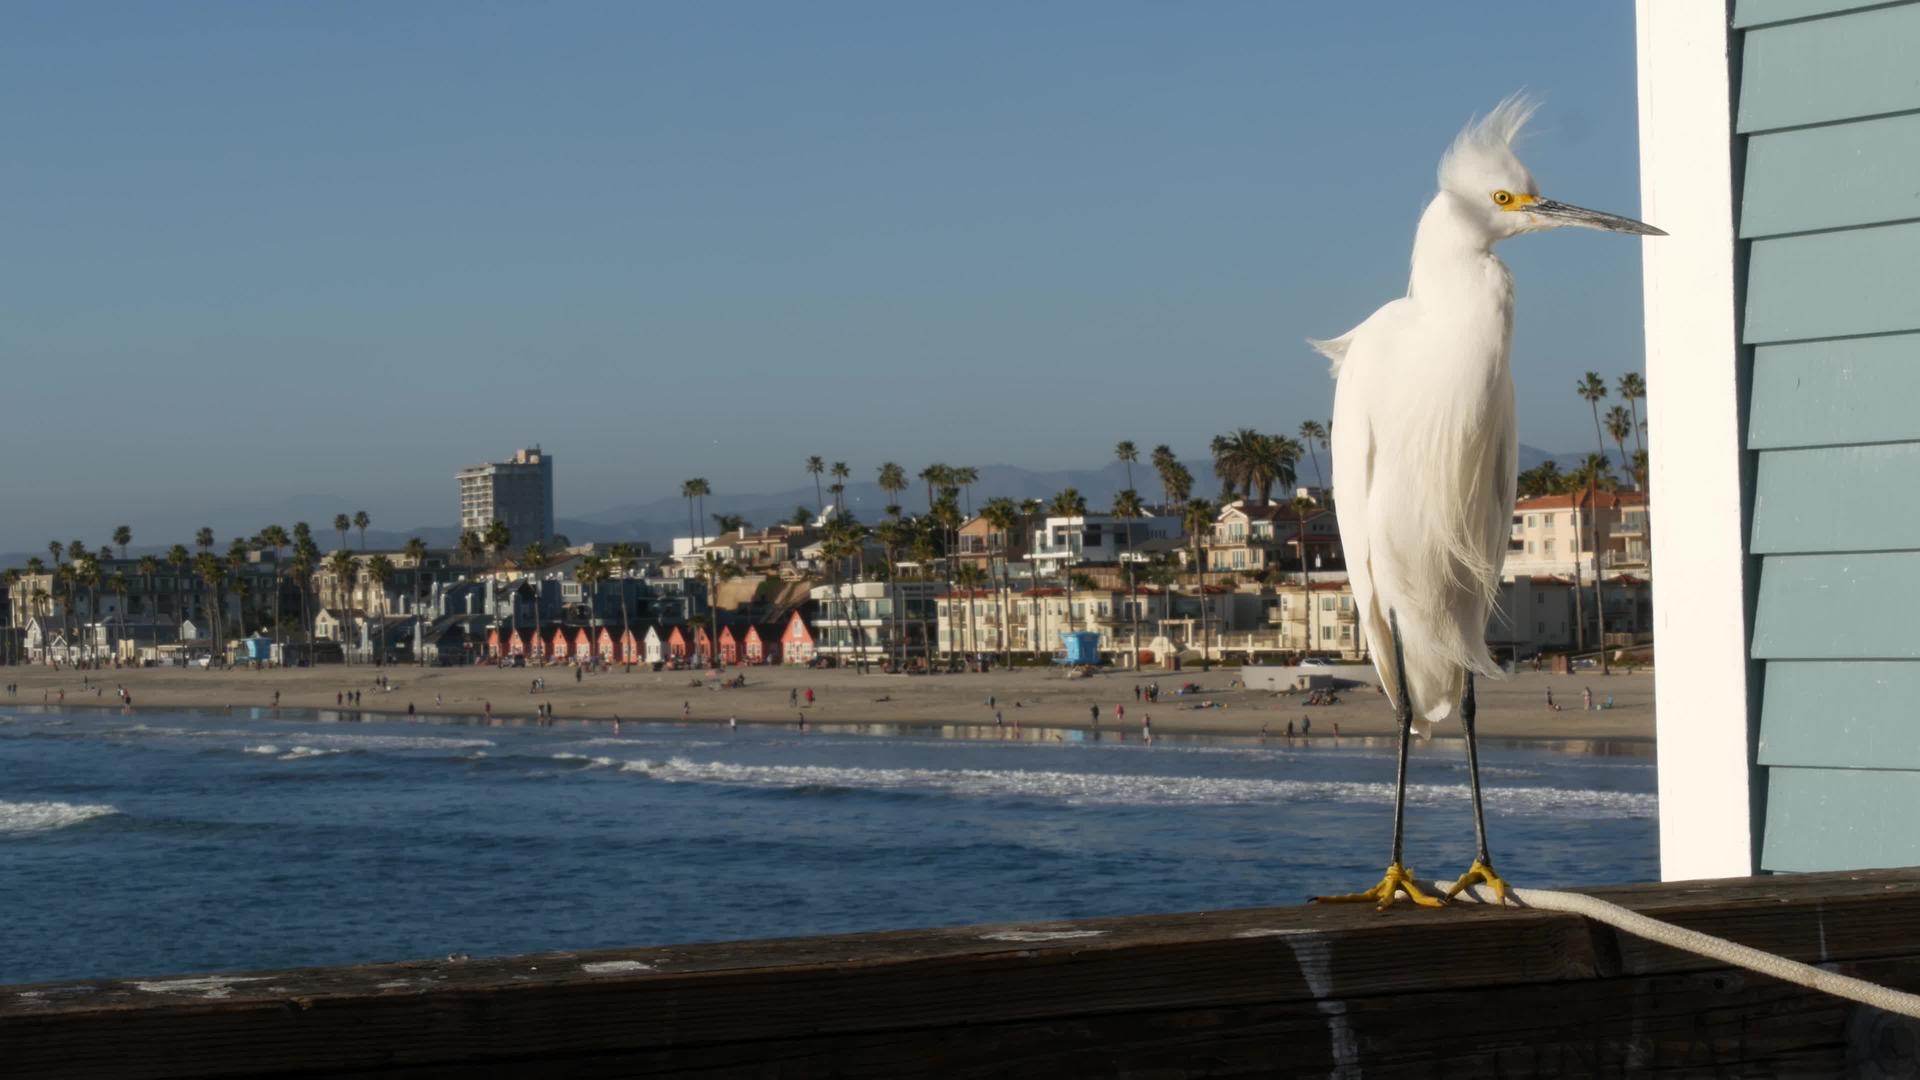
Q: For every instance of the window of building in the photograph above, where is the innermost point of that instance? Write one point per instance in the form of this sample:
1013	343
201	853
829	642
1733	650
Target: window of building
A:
1326	603
1547	546
1346	633
1236	531
1547	520
1326	633
1531	520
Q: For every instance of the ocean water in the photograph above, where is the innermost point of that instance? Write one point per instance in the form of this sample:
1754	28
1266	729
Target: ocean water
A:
174	842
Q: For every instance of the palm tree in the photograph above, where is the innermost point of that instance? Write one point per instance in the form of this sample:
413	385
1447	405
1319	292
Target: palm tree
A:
969	578
1068	504
1127	507
1632	389
893	481
935	474
1312	433
620	563
965	477
589	574
1198	518
1542	479
471	547
924	550
213	573
815	466
1002	516
123	535
892	533
1163	465
119	584
341	523
275	537
380	571
361	521
13	577
840	473
1591	389
344	568
533	558
1126	454
150	569
1619	426
1302	506
177	558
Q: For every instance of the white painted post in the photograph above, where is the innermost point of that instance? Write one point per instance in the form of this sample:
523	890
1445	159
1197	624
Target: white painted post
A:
1694	440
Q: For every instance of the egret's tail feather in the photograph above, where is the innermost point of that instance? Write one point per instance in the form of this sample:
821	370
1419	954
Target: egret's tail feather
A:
1334	349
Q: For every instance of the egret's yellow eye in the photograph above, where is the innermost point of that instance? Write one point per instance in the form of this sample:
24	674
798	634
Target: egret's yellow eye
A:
1502	198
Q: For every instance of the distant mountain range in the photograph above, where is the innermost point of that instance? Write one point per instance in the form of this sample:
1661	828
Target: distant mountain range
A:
656	522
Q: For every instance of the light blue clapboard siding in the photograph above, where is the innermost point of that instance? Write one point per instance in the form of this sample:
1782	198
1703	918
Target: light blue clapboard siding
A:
1829	110
1838	498
1821	393
1838	607
1840	819
1821	70
1751	13
1831	177
1839	284
1841	714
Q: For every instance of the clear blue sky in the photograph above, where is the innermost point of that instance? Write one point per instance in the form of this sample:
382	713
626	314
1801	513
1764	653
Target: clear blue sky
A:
254	249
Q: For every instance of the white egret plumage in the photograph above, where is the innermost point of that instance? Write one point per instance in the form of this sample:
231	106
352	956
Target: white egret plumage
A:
1426	454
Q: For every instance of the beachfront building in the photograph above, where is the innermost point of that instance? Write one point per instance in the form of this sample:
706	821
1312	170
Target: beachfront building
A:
1063	541
1552	534
1256	538
872	620
169	593
796	640
981	545
517	492
1778	147
1031	620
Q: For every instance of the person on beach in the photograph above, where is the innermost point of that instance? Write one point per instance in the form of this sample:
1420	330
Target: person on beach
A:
436	701
793	697
999	719
339	699
616	723
1306	725
1550	703
809	695
1120	714
1586	699
489	709
409	708
686	710
733	723
1094	711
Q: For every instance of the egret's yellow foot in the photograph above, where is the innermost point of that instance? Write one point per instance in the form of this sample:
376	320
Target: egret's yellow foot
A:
1477	874
1397	881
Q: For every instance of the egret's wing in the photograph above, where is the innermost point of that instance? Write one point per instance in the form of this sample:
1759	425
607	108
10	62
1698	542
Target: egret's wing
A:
1355	447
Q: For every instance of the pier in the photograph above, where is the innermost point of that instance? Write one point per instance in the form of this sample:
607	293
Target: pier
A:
1341	991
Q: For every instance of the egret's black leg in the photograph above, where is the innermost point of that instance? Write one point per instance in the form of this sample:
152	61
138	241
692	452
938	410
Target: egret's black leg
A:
1482	868
1398	880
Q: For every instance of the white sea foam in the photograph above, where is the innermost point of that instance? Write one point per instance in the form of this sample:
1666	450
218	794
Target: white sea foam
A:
28	817
591	762
300	752
1111	789
263	748
340	741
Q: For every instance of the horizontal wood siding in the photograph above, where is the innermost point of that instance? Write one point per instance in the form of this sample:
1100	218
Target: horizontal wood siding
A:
1832	177
1834	284
1824	70
1752	13
1840	819
1838	499
1869	713
1828	393
1838	607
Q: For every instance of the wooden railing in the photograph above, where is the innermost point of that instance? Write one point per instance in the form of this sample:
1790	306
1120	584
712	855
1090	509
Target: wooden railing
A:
1463	992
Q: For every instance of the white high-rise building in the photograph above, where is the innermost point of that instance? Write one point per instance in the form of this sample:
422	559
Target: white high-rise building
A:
518	492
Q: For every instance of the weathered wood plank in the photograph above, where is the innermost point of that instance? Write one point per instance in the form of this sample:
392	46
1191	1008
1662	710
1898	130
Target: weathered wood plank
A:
1822	70
1840	818
1838	607
1824	393
1837	284
1832	177
1837	498
1467	991
1841	714
1748	14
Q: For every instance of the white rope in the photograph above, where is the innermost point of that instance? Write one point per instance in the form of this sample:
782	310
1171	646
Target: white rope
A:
1693	941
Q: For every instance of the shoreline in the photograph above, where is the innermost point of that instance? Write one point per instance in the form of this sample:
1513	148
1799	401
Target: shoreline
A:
1512	709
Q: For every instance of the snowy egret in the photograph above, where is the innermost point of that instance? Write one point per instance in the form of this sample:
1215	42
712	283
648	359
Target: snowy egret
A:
1425	452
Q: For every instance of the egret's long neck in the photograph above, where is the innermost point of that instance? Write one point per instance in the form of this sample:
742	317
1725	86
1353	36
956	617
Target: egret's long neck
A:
1451	251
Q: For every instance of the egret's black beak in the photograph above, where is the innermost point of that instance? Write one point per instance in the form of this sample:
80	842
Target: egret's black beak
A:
1559	213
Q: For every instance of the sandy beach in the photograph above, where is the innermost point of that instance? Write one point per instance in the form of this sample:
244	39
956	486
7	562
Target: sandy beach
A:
1514	708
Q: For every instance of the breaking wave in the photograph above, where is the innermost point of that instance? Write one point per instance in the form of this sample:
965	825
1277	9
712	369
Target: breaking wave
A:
1109	789
30	817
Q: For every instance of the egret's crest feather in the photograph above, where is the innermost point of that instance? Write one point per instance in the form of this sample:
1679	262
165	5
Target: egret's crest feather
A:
1482	158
